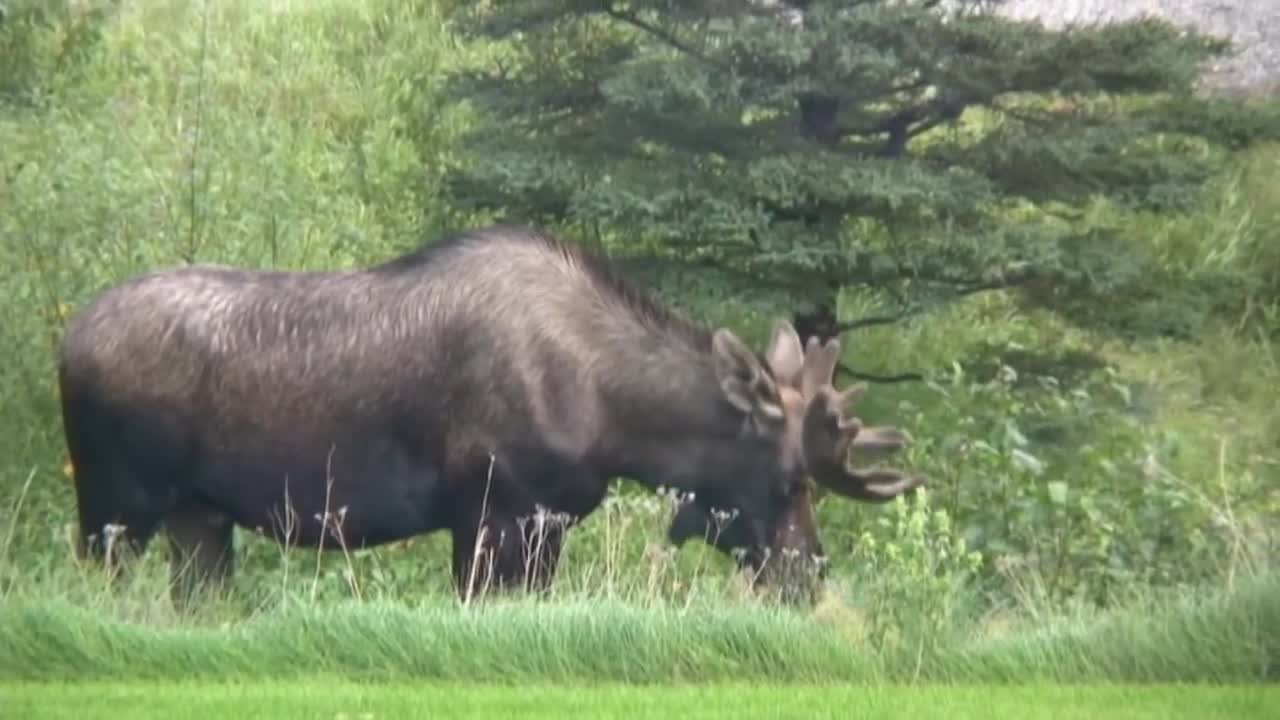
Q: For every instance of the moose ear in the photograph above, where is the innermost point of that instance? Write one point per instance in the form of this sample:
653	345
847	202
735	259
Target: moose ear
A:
742	378
785	354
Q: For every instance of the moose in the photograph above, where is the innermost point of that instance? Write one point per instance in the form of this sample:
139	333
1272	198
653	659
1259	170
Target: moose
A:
463	386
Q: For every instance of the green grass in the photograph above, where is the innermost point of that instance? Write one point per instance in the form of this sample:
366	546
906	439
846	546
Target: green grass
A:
1220	637
356	701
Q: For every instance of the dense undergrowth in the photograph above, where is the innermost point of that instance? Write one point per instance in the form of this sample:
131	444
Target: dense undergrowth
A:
1071	472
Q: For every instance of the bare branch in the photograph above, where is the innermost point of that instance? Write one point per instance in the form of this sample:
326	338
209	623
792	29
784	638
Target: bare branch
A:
1000	279
911	86
885	379
912	121
663	35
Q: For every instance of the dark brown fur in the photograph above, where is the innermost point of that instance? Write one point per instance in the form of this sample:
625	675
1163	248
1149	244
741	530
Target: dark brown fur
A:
498	371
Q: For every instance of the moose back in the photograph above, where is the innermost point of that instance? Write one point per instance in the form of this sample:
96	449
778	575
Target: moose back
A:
461	387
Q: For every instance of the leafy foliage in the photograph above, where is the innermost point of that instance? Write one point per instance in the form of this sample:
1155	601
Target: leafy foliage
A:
912	570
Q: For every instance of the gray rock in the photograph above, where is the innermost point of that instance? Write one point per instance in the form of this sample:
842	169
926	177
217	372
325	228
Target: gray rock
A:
1252	25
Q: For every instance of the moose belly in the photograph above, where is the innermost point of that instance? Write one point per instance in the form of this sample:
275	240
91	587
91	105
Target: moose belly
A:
353	493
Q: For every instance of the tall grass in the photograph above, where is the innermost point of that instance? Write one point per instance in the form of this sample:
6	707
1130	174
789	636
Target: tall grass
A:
1219	637
912	618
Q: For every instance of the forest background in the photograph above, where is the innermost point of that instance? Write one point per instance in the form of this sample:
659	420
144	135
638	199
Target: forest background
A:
1055	256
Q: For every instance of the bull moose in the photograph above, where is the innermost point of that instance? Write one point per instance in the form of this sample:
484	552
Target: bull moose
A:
459	387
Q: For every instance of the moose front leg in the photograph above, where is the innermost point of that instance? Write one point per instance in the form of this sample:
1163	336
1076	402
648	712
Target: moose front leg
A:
504	554
540	556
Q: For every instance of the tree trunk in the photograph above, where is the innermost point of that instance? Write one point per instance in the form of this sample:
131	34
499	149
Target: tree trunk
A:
820	321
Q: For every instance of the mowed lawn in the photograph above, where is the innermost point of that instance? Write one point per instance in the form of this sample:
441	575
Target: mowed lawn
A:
335	699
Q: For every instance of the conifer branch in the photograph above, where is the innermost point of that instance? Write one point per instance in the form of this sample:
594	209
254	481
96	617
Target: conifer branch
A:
663	35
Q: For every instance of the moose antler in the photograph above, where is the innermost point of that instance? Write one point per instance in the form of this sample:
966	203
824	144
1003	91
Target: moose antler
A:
828	435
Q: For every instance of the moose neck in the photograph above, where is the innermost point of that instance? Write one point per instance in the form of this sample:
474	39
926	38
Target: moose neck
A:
669	424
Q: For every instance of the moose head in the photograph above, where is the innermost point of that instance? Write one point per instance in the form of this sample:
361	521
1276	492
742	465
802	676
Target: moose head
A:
820	438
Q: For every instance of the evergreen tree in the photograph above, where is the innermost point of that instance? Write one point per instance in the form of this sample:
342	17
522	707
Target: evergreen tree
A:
918	150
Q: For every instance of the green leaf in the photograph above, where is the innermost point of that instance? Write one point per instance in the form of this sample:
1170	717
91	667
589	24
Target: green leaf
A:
1057	492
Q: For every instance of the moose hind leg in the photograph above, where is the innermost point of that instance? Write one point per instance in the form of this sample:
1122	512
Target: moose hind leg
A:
201	551
122	466
117	518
